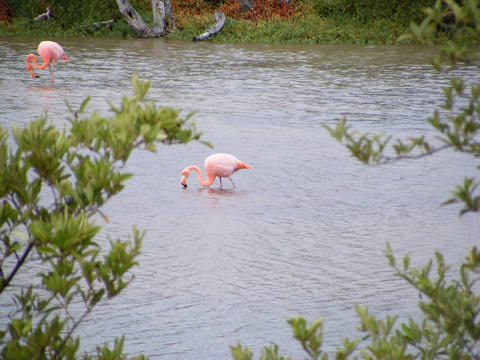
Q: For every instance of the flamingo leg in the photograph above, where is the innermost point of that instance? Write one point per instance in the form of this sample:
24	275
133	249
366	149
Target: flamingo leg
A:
220	178
229	178
51	72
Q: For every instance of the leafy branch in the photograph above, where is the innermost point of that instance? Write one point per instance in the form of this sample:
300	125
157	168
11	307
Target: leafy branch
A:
52	186
458	129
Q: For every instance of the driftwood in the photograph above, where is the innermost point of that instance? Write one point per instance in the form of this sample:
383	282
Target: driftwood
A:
98	25
45	16
215	29
168	16
163	20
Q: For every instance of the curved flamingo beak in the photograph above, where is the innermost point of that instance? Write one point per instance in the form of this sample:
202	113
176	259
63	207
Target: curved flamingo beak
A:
184	181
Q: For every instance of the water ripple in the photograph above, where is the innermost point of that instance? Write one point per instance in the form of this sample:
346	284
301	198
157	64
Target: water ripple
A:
305	230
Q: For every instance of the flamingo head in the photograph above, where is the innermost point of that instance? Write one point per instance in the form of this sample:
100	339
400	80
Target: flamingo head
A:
30	67
185	174
30	70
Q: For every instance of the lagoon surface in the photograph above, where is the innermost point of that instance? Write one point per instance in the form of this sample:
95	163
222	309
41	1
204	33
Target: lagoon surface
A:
304	232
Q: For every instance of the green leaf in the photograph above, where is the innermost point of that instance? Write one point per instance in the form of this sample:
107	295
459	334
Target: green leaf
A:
406	263
240	353
84	104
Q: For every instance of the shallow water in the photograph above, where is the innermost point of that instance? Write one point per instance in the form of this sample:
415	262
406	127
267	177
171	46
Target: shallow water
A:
304	232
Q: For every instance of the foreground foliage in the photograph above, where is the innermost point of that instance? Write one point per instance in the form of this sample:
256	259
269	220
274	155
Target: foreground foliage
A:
450	327
53	184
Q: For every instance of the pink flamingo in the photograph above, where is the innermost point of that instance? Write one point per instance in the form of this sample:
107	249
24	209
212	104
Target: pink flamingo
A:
50	52
221	165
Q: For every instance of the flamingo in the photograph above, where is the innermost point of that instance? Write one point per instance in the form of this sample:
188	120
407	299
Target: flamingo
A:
50	52
221	165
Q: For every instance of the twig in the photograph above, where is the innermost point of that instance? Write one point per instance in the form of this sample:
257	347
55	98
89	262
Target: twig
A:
19	264
387	159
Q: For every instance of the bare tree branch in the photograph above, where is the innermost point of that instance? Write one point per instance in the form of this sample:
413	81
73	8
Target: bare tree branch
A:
215	29
163	20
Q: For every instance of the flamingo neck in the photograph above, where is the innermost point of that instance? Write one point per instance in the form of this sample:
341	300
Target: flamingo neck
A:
208	182
34	59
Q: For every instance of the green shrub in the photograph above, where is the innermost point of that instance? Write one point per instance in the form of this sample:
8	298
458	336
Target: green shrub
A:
367	10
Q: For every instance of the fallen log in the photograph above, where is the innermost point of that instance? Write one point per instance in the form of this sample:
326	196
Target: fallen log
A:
98	25
215	29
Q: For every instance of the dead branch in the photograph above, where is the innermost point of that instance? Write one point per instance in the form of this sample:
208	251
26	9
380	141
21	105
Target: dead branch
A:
163	20
215	29
98	25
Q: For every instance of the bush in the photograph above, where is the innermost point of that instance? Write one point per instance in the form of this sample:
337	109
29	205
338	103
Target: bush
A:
368	10
68	12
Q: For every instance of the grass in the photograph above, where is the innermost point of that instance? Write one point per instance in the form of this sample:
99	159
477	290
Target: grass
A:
302	30
52	28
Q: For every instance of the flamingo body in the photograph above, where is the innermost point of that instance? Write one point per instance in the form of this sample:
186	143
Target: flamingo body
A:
217	165
50	52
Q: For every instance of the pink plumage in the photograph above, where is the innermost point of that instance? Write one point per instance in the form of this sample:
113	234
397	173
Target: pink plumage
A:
51	49
217	165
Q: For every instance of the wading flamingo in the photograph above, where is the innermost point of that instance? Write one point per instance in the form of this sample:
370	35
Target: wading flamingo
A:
221	165
50	52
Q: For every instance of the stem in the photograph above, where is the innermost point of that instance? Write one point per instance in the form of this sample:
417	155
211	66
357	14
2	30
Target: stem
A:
20	262
387	159
307	350
70	332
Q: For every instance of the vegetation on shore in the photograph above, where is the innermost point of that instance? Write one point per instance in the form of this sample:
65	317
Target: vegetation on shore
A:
300	21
